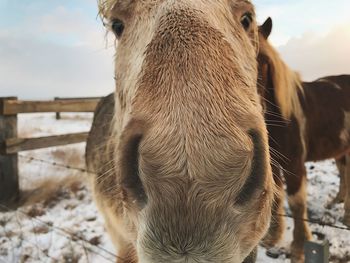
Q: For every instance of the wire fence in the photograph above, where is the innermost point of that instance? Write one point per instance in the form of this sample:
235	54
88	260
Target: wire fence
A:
73	237
86	244
97	249
317	222
311	221
52	163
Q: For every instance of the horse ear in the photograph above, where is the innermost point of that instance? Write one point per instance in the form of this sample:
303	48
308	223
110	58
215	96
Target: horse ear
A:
266	28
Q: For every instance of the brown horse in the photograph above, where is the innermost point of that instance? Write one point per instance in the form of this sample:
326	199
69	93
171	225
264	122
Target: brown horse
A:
181	153
307	121
343	164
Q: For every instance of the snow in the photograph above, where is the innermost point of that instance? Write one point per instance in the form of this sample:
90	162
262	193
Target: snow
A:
66	227
323	185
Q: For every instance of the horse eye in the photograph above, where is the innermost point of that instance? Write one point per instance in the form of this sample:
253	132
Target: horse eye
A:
118	27
246	20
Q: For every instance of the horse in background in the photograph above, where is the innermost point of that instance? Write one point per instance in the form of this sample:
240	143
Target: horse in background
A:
182	161
344	184
307	121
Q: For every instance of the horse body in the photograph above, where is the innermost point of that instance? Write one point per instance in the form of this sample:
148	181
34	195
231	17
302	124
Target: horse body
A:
182	164
326	107
307	121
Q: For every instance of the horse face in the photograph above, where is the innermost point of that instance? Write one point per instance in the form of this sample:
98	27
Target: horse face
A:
193	176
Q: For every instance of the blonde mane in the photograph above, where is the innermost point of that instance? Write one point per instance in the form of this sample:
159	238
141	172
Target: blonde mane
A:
287	83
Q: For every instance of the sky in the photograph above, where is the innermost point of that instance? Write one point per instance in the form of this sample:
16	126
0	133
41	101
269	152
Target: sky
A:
58	47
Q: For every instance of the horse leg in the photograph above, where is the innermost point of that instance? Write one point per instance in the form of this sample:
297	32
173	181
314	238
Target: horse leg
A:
346	220
277	225
341	165
296	188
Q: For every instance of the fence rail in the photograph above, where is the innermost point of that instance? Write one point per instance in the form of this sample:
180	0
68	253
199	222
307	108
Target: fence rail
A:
90	99
11	145
11	107
15	145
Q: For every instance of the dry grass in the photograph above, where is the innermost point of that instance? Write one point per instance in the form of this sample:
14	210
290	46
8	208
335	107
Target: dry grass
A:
52	194
70	156
48	191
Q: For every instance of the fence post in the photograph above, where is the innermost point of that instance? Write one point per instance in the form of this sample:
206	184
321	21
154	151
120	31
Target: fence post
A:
9	185
58	114
317	252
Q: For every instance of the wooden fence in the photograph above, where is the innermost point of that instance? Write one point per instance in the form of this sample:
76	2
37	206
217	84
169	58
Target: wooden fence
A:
11	145
90	99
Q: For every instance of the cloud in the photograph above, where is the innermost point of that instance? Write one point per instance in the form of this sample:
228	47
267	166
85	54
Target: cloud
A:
292	18
317	55
34	69
58	53
66	25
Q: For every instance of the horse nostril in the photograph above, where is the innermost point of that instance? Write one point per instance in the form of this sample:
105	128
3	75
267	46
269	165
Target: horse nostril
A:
258	170
129	163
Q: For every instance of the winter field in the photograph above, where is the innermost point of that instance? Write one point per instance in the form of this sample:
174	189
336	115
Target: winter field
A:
61	224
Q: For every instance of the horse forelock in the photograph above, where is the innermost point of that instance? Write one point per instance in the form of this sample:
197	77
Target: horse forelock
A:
286	83
105	7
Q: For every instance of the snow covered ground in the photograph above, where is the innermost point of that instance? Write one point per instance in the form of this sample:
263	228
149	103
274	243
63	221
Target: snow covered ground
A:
65	226
323	183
